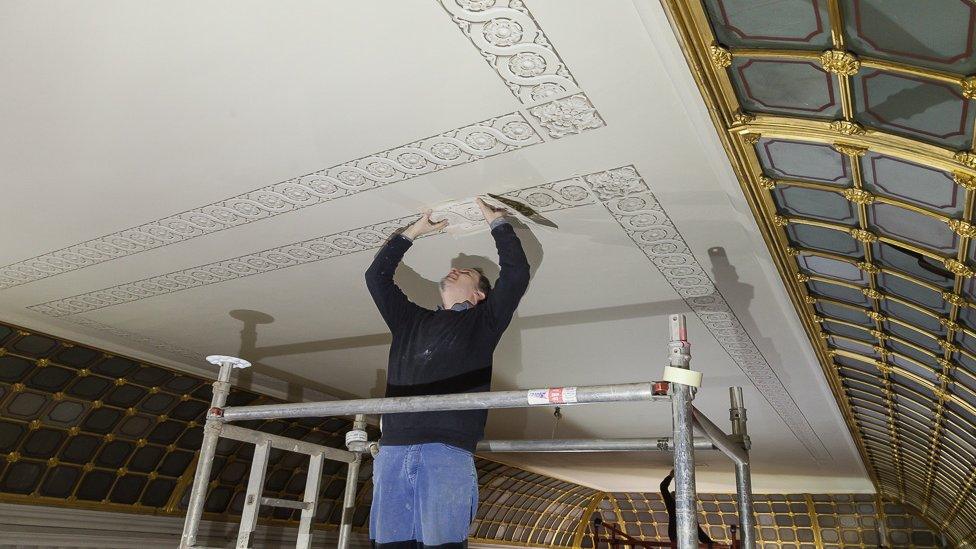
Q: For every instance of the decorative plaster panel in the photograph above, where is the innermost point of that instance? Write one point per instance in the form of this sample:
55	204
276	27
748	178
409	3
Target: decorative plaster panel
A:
630	202
511	41
567	116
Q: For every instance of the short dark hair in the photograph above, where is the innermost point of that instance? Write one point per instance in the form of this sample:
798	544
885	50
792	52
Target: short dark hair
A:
483	283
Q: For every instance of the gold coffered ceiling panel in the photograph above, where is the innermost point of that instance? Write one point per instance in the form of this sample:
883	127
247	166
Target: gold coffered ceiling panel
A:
850	126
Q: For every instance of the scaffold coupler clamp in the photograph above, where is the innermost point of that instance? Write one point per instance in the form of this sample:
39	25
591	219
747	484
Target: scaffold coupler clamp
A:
215	412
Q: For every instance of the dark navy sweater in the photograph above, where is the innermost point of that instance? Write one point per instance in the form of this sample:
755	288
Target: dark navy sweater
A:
444	351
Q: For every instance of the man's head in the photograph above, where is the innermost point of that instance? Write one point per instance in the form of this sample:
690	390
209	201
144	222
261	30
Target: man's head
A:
460	285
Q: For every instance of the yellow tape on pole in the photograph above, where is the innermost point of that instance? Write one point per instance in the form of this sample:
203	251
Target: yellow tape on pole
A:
682	376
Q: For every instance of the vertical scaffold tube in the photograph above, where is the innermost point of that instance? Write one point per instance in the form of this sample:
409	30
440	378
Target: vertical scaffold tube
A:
211	433
743	489
679	354
352	477
743	475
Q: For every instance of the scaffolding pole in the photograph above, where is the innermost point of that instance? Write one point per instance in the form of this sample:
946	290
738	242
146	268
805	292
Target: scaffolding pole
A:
211	433
679	354
558	396
743	475
355	440
571	445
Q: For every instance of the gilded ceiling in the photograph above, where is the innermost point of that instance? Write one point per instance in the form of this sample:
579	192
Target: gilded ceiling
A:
850	126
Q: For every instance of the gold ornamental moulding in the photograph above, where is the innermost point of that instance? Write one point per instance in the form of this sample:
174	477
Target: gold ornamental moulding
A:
954	299
863	235
950	324
947	346
871	293
721	56
968	86
850	150
858	196
958	268
846	127
743	117
962	228
869	268
964	180
845	63
840	62
876	316
874	139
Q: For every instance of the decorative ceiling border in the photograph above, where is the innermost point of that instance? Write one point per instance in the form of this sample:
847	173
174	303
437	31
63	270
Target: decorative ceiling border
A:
631	203
544	198
514	45
459	146
512	42
623	193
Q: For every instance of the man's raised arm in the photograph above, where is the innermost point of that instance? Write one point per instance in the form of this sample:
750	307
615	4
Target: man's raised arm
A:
513	278
391	302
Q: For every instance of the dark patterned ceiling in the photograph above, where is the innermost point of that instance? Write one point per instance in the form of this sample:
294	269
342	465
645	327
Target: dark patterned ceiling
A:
850	125
87	429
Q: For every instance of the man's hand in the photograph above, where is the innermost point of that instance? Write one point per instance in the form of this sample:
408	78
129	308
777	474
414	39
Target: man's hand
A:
491	213
423	226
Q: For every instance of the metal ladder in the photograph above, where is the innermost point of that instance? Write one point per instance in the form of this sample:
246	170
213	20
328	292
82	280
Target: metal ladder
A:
215	429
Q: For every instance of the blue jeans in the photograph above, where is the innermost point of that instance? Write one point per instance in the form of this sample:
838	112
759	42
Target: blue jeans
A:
424	495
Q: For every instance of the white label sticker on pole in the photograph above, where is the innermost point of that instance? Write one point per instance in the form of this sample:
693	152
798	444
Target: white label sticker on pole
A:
682	376
554	395
355	436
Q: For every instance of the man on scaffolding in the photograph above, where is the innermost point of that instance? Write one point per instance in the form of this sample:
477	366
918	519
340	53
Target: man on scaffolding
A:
425	487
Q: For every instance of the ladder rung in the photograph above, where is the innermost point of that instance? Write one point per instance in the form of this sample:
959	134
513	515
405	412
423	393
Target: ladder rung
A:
289	503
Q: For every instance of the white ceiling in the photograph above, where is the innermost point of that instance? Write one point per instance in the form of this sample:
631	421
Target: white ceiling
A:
117	114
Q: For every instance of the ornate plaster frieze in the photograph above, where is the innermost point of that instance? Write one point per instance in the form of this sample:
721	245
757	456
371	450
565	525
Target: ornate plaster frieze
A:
631	203
511	41
543	198
459	146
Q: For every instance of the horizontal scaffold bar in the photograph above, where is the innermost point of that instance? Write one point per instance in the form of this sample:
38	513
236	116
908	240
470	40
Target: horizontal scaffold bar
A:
284	443
554	396
660	444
